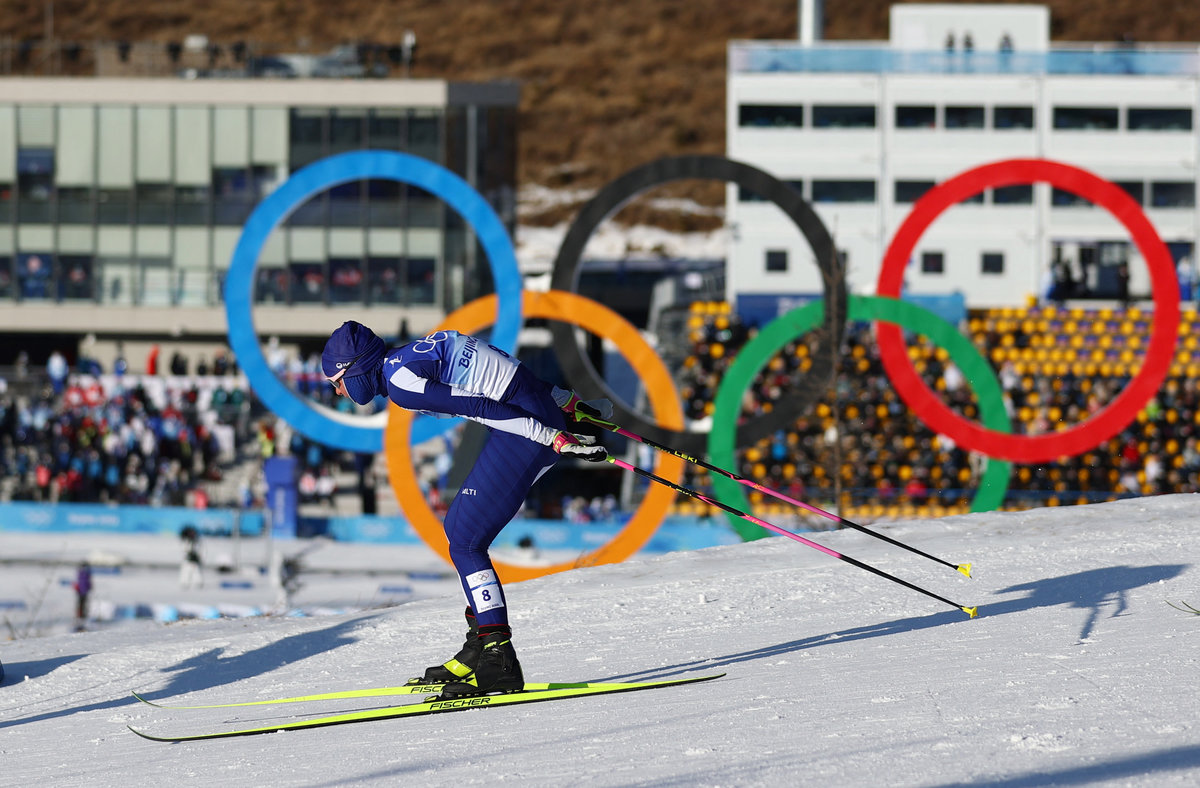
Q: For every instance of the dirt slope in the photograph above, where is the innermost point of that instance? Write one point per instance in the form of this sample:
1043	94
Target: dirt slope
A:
606	85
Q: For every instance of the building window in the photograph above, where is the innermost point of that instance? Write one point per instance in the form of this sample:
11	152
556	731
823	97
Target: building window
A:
911	191
383	280
308	283
154	203
6	202
345	280
1061	198
271	285
933	263
34	274
1021	194
1172	194
35	184
991	263
748	195
916	117
425	134
346	130
191	205
306	137
1086	118
424	210
114	206
839	116
1135	189
75	205
233	193
346	204
385	130
384	204
771	115
777	260
1012	117
420	274
6	277
964	117
75	281
156	288
843	191
1159	119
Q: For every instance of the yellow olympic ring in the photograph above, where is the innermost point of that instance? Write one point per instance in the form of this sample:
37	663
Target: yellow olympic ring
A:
664	400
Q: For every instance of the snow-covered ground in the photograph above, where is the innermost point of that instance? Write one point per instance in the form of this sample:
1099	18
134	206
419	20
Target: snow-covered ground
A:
140	574
1076	671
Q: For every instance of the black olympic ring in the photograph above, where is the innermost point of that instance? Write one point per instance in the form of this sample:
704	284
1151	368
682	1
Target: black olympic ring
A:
565	276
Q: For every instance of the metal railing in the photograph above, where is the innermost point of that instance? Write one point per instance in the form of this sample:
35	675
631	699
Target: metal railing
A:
752	57
197	57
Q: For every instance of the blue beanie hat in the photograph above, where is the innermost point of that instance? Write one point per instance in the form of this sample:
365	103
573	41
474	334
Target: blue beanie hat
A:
354	348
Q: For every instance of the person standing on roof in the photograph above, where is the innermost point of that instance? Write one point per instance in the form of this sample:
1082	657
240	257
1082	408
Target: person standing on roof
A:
450	374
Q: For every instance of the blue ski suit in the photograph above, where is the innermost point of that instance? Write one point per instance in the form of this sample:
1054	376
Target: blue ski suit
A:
450	374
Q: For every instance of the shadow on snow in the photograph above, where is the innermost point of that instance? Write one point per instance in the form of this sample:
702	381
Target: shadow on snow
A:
1094	591
203	671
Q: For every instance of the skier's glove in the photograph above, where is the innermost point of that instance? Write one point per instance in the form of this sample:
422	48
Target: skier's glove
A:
581	410
582	446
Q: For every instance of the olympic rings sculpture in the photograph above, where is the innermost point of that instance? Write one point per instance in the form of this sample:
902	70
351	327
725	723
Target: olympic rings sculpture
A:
664	399
567	265
1110	420
507	307
353	433
783	329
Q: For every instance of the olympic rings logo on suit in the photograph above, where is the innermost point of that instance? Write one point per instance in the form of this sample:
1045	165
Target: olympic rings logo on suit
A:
510	304
427	344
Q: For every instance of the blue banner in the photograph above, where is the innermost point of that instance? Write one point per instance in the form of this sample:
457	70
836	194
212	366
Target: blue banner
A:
100	518
283	495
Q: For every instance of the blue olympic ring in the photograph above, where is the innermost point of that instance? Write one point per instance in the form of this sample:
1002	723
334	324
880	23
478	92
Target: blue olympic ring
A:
342	431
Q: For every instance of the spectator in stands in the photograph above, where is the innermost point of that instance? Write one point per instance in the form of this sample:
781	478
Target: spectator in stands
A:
57	369
220	363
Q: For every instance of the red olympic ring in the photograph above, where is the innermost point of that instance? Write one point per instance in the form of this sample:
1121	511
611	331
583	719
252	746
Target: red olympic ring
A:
1112	418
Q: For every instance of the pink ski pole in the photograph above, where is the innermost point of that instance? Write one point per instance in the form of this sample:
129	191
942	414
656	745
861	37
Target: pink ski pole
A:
970	611
964	568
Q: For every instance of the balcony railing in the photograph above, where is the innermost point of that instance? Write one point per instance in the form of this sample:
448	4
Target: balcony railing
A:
753	57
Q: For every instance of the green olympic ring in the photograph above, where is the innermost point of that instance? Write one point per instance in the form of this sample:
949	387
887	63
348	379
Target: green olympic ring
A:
755	354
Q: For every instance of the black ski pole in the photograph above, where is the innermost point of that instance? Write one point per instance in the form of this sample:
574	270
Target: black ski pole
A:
963	568
970	611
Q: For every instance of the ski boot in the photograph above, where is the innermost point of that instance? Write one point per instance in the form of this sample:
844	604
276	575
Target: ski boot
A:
461	666
498	669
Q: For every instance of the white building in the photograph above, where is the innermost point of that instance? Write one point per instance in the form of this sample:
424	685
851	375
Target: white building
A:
863	129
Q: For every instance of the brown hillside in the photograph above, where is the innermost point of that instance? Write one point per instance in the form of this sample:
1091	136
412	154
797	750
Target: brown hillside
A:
606	85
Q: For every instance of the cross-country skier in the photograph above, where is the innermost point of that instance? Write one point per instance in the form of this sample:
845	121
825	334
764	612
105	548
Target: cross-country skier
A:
451	374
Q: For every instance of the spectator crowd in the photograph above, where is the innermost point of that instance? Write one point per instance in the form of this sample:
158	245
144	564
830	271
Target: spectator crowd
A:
166	437
862	448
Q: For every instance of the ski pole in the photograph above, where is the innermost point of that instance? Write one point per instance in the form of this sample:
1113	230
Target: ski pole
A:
964	568
970	611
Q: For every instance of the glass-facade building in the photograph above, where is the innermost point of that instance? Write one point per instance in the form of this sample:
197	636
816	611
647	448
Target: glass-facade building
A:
119	193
